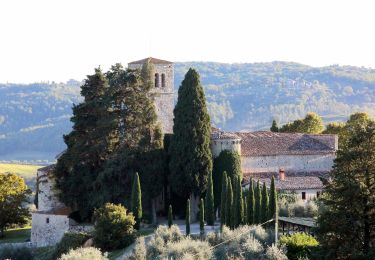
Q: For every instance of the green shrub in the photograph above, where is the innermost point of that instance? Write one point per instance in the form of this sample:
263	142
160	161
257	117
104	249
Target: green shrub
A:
114	228
275	253
88	253
172	234
16	253
69	241
139	251
299	245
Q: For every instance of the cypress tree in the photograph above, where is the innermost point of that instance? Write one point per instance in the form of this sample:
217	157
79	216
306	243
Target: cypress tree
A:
235	204
274	127
264	205
244	203
240	207
223	198
228	206
170	216
191	159
272	209
229	162
251	204
187	217
210	209
258	203
136	201
201	216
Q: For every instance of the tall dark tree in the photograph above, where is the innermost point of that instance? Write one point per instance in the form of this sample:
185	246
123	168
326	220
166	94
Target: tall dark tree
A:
235	204
251	204
133	127
229	204
136	201
191	159
88	147
170	216
239	203
224	188
264	205
229	162
258	203
210	209
346	226
244	203
272	209
201	217
187	217
274	127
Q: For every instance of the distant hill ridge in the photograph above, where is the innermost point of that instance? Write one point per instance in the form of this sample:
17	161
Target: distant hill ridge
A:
33	117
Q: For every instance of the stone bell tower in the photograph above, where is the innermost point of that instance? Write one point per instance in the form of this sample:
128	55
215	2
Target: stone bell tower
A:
164	89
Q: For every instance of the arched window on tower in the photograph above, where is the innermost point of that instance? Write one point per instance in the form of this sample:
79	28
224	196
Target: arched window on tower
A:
163	80
156	80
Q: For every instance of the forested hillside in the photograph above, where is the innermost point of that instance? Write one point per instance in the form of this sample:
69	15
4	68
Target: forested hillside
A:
34	117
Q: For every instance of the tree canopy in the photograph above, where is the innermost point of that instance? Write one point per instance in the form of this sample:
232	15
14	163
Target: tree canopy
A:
191	159
13	195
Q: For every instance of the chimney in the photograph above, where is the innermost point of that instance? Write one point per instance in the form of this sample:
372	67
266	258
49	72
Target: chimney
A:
281	174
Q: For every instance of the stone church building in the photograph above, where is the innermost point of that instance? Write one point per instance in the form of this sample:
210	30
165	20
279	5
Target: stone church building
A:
298	160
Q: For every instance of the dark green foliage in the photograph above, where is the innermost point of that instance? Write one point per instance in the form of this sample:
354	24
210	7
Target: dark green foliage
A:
258	203
251	204
68	242
87	147
274	127
235	205
114	227
13	196
229	162
238	203
16	253
311	124
272	209
210	209
299	245
201	216
187	217
223	198
229	203
170	216
136	201
191	159
244	203
264	205
347	219
133	128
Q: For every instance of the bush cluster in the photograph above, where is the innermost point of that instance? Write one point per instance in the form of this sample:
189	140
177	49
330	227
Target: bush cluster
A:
298	208
16	253
68	242
114	227
299	245
88	253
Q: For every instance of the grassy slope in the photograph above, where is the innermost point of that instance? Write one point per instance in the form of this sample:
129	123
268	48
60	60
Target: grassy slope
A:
16	235
28	172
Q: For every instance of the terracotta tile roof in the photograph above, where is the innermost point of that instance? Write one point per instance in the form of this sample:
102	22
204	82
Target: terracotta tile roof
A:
270	143
292	181
151	60
48	168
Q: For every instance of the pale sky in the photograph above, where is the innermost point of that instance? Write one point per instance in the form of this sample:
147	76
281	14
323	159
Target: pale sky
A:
57	40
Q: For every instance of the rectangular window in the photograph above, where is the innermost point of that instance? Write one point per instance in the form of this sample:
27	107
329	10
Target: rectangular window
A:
303	195
317	194
47	220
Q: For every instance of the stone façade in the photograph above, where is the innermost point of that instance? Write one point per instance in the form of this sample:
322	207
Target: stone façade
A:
164	90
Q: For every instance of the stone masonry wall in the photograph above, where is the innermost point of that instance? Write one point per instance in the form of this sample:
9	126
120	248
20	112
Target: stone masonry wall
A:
295	163
164	99
47	199
48	229
219	145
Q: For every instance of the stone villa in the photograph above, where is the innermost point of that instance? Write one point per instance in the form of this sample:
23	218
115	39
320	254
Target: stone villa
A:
299	160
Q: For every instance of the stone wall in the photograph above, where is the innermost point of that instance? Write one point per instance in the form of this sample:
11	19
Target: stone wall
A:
295	163
47	198
164	99
48	229
219	145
